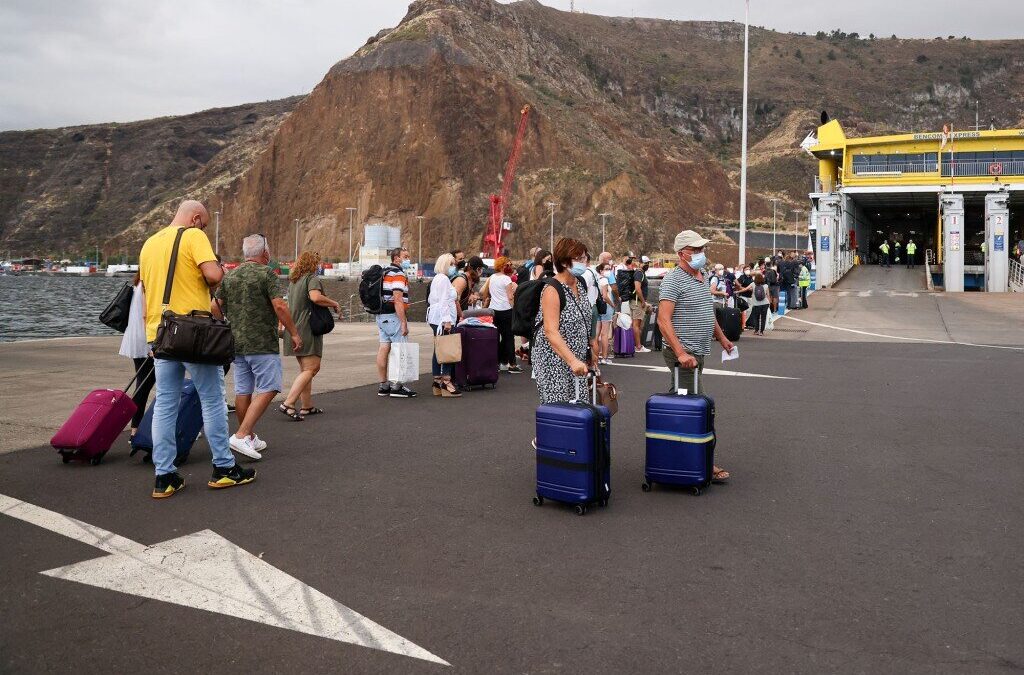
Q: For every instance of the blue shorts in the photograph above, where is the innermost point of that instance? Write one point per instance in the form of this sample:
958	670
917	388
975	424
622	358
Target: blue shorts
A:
390	328
257	374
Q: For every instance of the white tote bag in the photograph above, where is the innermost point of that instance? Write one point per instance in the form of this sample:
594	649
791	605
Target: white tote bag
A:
404	362
623	320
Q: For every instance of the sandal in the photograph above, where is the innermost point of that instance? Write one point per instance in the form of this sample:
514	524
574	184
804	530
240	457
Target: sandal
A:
306	412
290	411
719	476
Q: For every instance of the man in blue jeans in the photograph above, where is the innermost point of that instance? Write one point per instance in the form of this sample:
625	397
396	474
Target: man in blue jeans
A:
391	322
196	271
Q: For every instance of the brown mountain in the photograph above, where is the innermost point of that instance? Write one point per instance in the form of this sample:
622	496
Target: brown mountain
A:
636	117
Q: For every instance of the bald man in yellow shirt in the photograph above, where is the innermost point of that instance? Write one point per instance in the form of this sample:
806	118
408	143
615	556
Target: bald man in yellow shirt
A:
196	272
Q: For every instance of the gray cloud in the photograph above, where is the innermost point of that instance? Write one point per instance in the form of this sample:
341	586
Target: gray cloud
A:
65	62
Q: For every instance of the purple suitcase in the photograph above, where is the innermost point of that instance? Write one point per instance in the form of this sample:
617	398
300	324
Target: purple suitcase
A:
94	426
624	342
479	364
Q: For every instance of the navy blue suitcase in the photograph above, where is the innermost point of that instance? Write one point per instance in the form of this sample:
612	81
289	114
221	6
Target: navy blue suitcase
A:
574	454
190	424
680	439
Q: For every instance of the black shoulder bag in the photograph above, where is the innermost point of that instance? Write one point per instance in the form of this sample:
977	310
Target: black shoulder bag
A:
116	314
195	337
321	321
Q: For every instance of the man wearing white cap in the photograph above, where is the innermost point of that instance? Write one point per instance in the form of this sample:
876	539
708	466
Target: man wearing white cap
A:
686	316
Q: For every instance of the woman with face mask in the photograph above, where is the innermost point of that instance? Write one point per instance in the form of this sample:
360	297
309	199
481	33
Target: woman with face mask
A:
606	288
542	265
443	312
563	350
501	290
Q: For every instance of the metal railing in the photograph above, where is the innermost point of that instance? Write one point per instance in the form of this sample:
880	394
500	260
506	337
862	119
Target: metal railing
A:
929	260
825	186
895	169
982	168
1016	276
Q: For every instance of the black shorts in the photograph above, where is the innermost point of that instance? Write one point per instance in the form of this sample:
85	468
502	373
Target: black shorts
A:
774	291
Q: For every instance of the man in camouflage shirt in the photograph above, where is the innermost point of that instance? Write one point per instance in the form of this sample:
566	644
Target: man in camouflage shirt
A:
247	297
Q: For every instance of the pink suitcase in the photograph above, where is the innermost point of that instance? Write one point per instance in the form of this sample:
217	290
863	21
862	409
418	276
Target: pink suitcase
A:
94	426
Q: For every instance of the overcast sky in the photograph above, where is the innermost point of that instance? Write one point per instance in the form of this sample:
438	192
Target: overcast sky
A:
65	62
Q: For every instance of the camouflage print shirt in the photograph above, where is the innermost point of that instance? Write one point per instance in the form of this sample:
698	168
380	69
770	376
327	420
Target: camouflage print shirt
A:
246	294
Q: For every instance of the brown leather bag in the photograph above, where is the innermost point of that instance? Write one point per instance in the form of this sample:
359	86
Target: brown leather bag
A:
608	396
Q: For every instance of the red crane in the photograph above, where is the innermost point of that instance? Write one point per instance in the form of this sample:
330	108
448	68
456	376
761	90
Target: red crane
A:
493	246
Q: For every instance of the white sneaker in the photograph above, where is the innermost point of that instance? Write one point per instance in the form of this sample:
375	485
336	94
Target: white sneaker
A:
503	368
260	444
244	446
642	350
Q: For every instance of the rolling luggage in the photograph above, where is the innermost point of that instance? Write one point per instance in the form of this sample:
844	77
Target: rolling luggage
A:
680	439
190	423
574	452
731	321
94	425
650	334
623	342
479	364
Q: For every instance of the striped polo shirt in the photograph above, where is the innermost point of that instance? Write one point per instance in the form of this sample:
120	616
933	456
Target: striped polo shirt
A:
394	280
693	318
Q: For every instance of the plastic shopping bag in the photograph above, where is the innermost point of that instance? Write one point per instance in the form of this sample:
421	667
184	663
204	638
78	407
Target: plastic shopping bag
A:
404	362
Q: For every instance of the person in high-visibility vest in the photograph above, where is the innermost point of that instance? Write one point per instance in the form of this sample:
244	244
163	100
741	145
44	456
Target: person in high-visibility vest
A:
884	248
805	283
911	252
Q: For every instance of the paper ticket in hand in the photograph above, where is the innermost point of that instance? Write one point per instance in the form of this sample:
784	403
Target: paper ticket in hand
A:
729	356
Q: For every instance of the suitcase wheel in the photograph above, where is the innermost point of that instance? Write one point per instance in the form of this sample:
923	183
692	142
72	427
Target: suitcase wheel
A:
64	458
645	486
95	461
697	491
603	503
580	509
538	501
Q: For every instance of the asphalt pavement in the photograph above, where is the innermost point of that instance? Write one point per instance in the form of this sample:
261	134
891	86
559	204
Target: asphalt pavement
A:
872	524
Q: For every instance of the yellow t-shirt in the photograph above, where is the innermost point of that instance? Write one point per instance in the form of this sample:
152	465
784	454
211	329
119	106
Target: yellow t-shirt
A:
190	291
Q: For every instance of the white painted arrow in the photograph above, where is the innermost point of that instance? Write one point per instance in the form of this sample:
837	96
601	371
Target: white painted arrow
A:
706	371
208	572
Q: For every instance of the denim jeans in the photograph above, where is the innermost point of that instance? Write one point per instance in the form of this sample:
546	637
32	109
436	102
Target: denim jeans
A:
209	382
439	369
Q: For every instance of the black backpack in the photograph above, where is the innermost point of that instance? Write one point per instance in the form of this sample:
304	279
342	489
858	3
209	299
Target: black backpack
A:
371	290
759	293
624	280
771	277
527	305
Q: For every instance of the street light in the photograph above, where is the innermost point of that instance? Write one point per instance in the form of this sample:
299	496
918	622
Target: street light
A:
796	225
552	205
351	216
743	160
419	263
775	204
603	216
296	240
216	232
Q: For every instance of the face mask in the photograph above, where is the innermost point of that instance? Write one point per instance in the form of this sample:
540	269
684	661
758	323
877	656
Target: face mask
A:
451	271
514	278
406	264
698	260
549	265
579	268
645	266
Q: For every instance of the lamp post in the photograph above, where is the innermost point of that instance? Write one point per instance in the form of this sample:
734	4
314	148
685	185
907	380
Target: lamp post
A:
296	240
603	216
216	232
419	262
351	219
552	205
796	225
743	160
775	204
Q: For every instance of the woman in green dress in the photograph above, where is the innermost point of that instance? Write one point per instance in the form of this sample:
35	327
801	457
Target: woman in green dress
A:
305	289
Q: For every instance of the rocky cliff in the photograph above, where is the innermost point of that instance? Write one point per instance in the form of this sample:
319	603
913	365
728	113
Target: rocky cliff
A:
636	117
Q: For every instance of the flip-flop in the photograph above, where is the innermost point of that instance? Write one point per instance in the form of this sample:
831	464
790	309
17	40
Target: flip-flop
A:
721	476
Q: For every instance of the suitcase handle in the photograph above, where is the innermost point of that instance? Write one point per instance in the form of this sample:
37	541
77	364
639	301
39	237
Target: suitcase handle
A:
696	380
591	378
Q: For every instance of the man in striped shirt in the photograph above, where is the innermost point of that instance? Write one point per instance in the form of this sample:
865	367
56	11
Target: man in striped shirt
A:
686	317
391	322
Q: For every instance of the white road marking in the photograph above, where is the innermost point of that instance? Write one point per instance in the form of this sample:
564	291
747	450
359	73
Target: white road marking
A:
206	571
706	371
899	337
